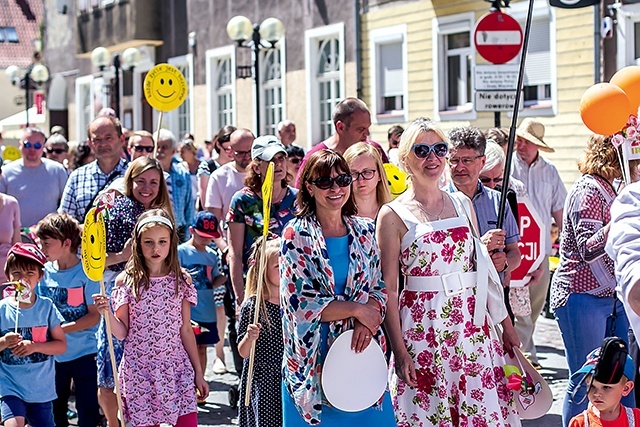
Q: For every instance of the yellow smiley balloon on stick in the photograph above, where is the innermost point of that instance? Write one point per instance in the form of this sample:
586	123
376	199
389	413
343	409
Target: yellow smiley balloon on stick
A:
165	87
94	246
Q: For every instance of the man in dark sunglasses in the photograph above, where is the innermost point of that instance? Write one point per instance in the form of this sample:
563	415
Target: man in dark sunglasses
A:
36	182
140	144
56	148
466	159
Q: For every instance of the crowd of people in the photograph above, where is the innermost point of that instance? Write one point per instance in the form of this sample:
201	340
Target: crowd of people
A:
191	259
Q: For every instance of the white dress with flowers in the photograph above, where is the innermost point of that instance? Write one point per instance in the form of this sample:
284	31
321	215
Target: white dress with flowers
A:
459	366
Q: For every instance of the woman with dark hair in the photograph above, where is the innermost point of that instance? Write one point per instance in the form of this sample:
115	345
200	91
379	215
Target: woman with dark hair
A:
330	282
583	287
82	155
245	217
295	154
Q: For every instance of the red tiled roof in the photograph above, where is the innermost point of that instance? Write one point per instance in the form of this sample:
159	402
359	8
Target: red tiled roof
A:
26	17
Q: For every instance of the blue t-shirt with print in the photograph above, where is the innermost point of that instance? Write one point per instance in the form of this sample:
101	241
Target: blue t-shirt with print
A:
30	378
71	290
203	268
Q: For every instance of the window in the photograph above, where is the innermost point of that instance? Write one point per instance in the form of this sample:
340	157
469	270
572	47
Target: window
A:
324	58
453	63
272	95
539	84
181	119
221	88
628	35
388	67
84	106
9	34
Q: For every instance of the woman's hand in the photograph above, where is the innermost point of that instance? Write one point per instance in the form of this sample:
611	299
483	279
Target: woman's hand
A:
509	336
362	336
102	303
405	368
202	388
369	315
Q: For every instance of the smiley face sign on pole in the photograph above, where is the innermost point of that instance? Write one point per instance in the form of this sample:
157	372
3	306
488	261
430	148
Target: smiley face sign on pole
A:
94	246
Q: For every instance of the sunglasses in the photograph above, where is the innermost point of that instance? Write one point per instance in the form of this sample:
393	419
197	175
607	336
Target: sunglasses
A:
29	144
422	151
141	148
55	150
487	180
295	160
326	182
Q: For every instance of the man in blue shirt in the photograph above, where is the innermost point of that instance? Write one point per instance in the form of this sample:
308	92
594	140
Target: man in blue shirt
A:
466	160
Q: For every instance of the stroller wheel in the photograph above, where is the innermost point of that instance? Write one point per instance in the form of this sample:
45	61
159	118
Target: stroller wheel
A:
233	397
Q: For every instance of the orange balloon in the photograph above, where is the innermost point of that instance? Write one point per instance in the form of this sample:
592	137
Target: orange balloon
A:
628	79
604	108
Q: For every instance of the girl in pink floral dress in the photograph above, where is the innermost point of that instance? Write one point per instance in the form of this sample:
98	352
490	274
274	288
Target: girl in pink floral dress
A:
447	367
160	370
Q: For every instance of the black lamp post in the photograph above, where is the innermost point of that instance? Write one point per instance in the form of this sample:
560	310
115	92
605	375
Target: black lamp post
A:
240	29
31	78
100	57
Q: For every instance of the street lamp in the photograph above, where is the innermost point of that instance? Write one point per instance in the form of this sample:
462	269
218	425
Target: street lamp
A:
100	57
31	78
250	36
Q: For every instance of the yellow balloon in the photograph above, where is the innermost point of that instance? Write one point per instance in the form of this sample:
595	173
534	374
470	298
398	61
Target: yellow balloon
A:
94	246
165	87
397	178
10	153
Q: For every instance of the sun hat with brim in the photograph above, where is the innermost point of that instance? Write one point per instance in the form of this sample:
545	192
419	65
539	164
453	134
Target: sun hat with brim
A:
592	360
533	131
266	147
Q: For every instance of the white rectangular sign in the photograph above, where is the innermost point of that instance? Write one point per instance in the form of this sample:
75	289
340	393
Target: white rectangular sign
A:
498	37
496	77
496	100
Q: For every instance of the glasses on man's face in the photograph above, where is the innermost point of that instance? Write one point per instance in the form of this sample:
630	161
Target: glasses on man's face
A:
55	150
466	161
141	148
326	182
29	144
366	174
422	151
241	153
486	180
295	160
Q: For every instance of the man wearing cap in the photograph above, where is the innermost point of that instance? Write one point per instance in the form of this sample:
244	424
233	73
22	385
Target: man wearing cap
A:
36	182
547	193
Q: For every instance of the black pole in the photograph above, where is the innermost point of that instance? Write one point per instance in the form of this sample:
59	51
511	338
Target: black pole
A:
256	73
496	119
27	83
116	85
514	121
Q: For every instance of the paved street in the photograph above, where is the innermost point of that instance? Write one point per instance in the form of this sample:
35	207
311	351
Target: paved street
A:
550	353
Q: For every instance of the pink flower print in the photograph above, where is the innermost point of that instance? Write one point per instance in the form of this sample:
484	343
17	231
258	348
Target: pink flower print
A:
408	298
447	253
477	394
431	314
416	271
479	421
487	379
456	301
456	317
442	391
472	369
470	329
471	304
504	393
430	337
455	363
498	373
417	312
427	296
415	334
452	338
425	358
444	352
464	422
462	384
438	236
423	401
458	234
426	380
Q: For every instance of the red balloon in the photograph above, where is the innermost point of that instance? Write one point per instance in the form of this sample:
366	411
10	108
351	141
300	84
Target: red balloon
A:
628	79
604	108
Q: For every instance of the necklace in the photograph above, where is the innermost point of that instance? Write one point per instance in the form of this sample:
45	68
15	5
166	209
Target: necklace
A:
428	214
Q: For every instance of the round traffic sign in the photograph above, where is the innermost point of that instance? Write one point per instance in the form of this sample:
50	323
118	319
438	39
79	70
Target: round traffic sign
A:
498	37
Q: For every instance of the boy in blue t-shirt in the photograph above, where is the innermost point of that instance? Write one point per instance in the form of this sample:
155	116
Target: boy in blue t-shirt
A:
30	333
201	262
66	283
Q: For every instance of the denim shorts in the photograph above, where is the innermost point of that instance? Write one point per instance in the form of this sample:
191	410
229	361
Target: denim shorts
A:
36	414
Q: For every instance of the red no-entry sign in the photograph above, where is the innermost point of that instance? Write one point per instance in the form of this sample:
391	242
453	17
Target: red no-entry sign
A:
498	37
531	244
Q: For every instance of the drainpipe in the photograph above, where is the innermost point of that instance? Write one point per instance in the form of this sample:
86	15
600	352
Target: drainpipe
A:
597	43
358	51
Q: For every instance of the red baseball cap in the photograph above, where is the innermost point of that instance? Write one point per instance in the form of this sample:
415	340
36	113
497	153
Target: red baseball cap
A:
29	250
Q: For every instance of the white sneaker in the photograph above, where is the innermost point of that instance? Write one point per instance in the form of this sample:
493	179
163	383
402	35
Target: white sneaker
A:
219	368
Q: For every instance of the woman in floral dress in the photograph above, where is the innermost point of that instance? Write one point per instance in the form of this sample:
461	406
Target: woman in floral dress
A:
448	359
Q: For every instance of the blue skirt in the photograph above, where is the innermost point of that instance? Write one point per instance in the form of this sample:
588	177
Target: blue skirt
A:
333	417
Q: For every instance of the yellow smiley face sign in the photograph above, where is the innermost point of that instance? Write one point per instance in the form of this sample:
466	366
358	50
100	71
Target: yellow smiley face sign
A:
94	246
165	87
10	153
397	179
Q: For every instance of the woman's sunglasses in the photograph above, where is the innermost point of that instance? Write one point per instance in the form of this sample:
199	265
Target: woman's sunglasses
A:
326	182
422	151
295	160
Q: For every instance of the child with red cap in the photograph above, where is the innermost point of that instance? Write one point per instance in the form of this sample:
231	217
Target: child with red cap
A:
30	334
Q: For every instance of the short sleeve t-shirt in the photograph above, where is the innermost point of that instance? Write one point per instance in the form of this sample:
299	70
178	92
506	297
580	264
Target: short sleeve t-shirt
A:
223	184
203	268
71	290
30	378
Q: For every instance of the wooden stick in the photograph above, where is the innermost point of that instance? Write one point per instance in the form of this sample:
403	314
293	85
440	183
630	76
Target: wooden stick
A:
155	141
114	366
17	312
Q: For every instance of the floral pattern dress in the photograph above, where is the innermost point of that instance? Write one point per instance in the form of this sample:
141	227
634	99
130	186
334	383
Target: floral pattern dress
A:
459	366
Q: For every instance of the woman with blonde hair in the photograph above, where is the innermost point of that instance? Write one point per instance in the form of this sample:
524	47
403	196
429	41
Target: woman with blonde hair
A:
583	287
370	185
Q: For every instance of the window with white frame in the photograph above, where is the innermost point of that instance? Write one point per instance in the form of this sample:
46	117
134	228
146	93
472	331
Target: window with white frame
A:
388	55
272	94
628	35
181	119
454	61
538	81
84	105
220	64
324	57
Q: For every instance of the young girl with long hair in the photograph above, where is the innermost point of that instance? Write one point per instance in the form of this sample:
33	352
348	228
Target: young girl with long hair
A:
265	409
160	370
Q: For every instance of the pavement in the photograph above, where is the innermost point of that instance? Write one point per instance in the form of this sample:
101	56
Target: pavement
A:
217	412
